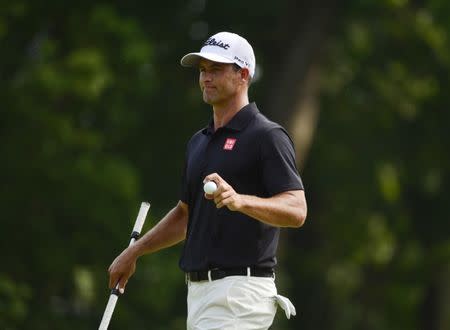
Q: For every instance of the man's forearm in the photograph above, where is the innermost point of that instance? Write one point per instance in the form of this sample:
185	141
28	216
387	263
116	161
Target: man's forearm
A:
283	210
287	209
167	232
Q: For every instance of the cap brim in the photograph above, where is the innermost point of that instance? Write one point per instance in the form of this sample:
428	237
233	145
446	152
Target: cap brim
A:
192	59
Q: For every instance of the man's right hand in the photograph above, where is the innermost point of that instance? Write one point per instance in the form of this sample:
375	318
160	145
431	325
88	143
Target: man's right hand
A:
122	268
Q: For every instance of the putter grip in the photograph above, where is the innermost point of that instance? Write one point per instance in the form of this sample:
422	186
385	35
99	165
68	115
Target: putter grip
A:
114	294
108	312
141	217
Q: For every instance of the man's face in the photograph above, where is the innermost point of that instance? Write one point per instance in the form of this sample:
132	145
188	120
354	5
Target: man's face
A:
218	81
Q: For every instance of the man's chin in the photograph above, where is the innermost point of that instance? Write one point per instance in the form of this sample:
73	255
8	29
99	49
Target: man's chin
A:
208	100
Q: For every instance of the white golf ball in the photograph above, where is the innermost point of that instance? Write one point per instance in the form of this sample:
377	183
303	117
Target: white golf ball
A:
210	187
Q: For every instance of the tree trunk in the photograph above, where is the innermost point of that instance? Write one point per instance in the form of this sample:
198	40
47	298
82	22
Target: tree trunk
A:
293	101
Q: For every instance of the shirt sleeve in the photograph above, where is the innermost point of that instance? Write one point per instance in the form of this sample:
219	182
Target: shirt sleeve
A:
279	170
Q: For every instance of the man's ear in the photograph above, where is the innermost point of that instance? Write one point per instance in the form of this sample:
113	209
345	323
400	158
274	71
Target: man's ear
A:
245	74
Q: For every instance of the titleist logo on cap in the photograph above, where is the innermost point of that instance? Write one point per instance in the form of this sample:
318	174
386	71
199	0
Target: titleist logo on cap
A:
214	42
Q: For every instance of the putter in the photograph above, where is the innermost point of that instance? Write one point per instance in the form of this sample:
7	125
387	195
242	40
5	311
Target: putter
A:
115	292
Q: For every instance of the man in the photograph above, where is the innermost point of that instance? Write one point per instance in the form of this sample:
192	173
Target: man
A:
230	235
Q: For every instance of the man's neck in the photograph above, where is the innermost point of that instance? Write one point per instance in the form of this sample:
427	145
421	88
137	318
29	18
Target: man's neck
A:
223	113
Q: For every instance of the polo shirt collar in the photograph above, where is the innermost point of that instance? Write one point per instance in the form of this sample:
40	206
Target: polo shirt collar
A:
238	122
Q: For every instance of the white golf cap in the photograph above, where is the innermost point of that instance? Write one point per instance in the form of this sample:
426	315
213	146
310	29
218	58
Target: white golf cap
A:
224	47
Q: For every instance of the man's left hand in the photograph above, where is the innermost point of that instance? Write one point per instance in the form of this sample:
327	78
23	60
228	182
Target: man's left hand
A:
225	195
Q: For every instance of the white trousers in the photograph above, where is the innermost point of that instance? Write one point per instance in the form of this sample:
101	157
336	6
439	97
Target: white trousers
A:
234	303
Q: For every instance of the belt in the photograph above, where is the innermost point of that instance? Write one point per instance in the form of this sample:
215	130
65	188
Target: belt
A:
217	274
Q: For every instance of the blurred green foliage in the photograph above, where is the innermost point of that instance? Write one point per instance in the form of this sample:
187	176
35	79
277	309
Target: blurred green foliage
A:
95	114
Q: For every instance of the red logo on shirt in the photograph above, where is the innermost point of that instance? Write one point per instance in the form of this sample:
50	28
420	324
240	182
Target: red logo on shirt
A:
229	144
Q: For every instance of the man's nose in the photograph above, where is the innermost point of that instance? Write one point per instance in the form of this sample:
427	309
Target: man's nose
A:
206	76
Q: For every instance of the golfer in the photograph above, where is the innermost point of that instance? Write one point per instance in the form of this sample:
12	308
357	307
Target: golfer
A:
231	235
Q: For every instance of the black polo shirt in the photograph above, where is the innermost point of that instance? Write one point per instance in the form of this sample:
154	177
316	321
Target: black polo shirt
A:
256	157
